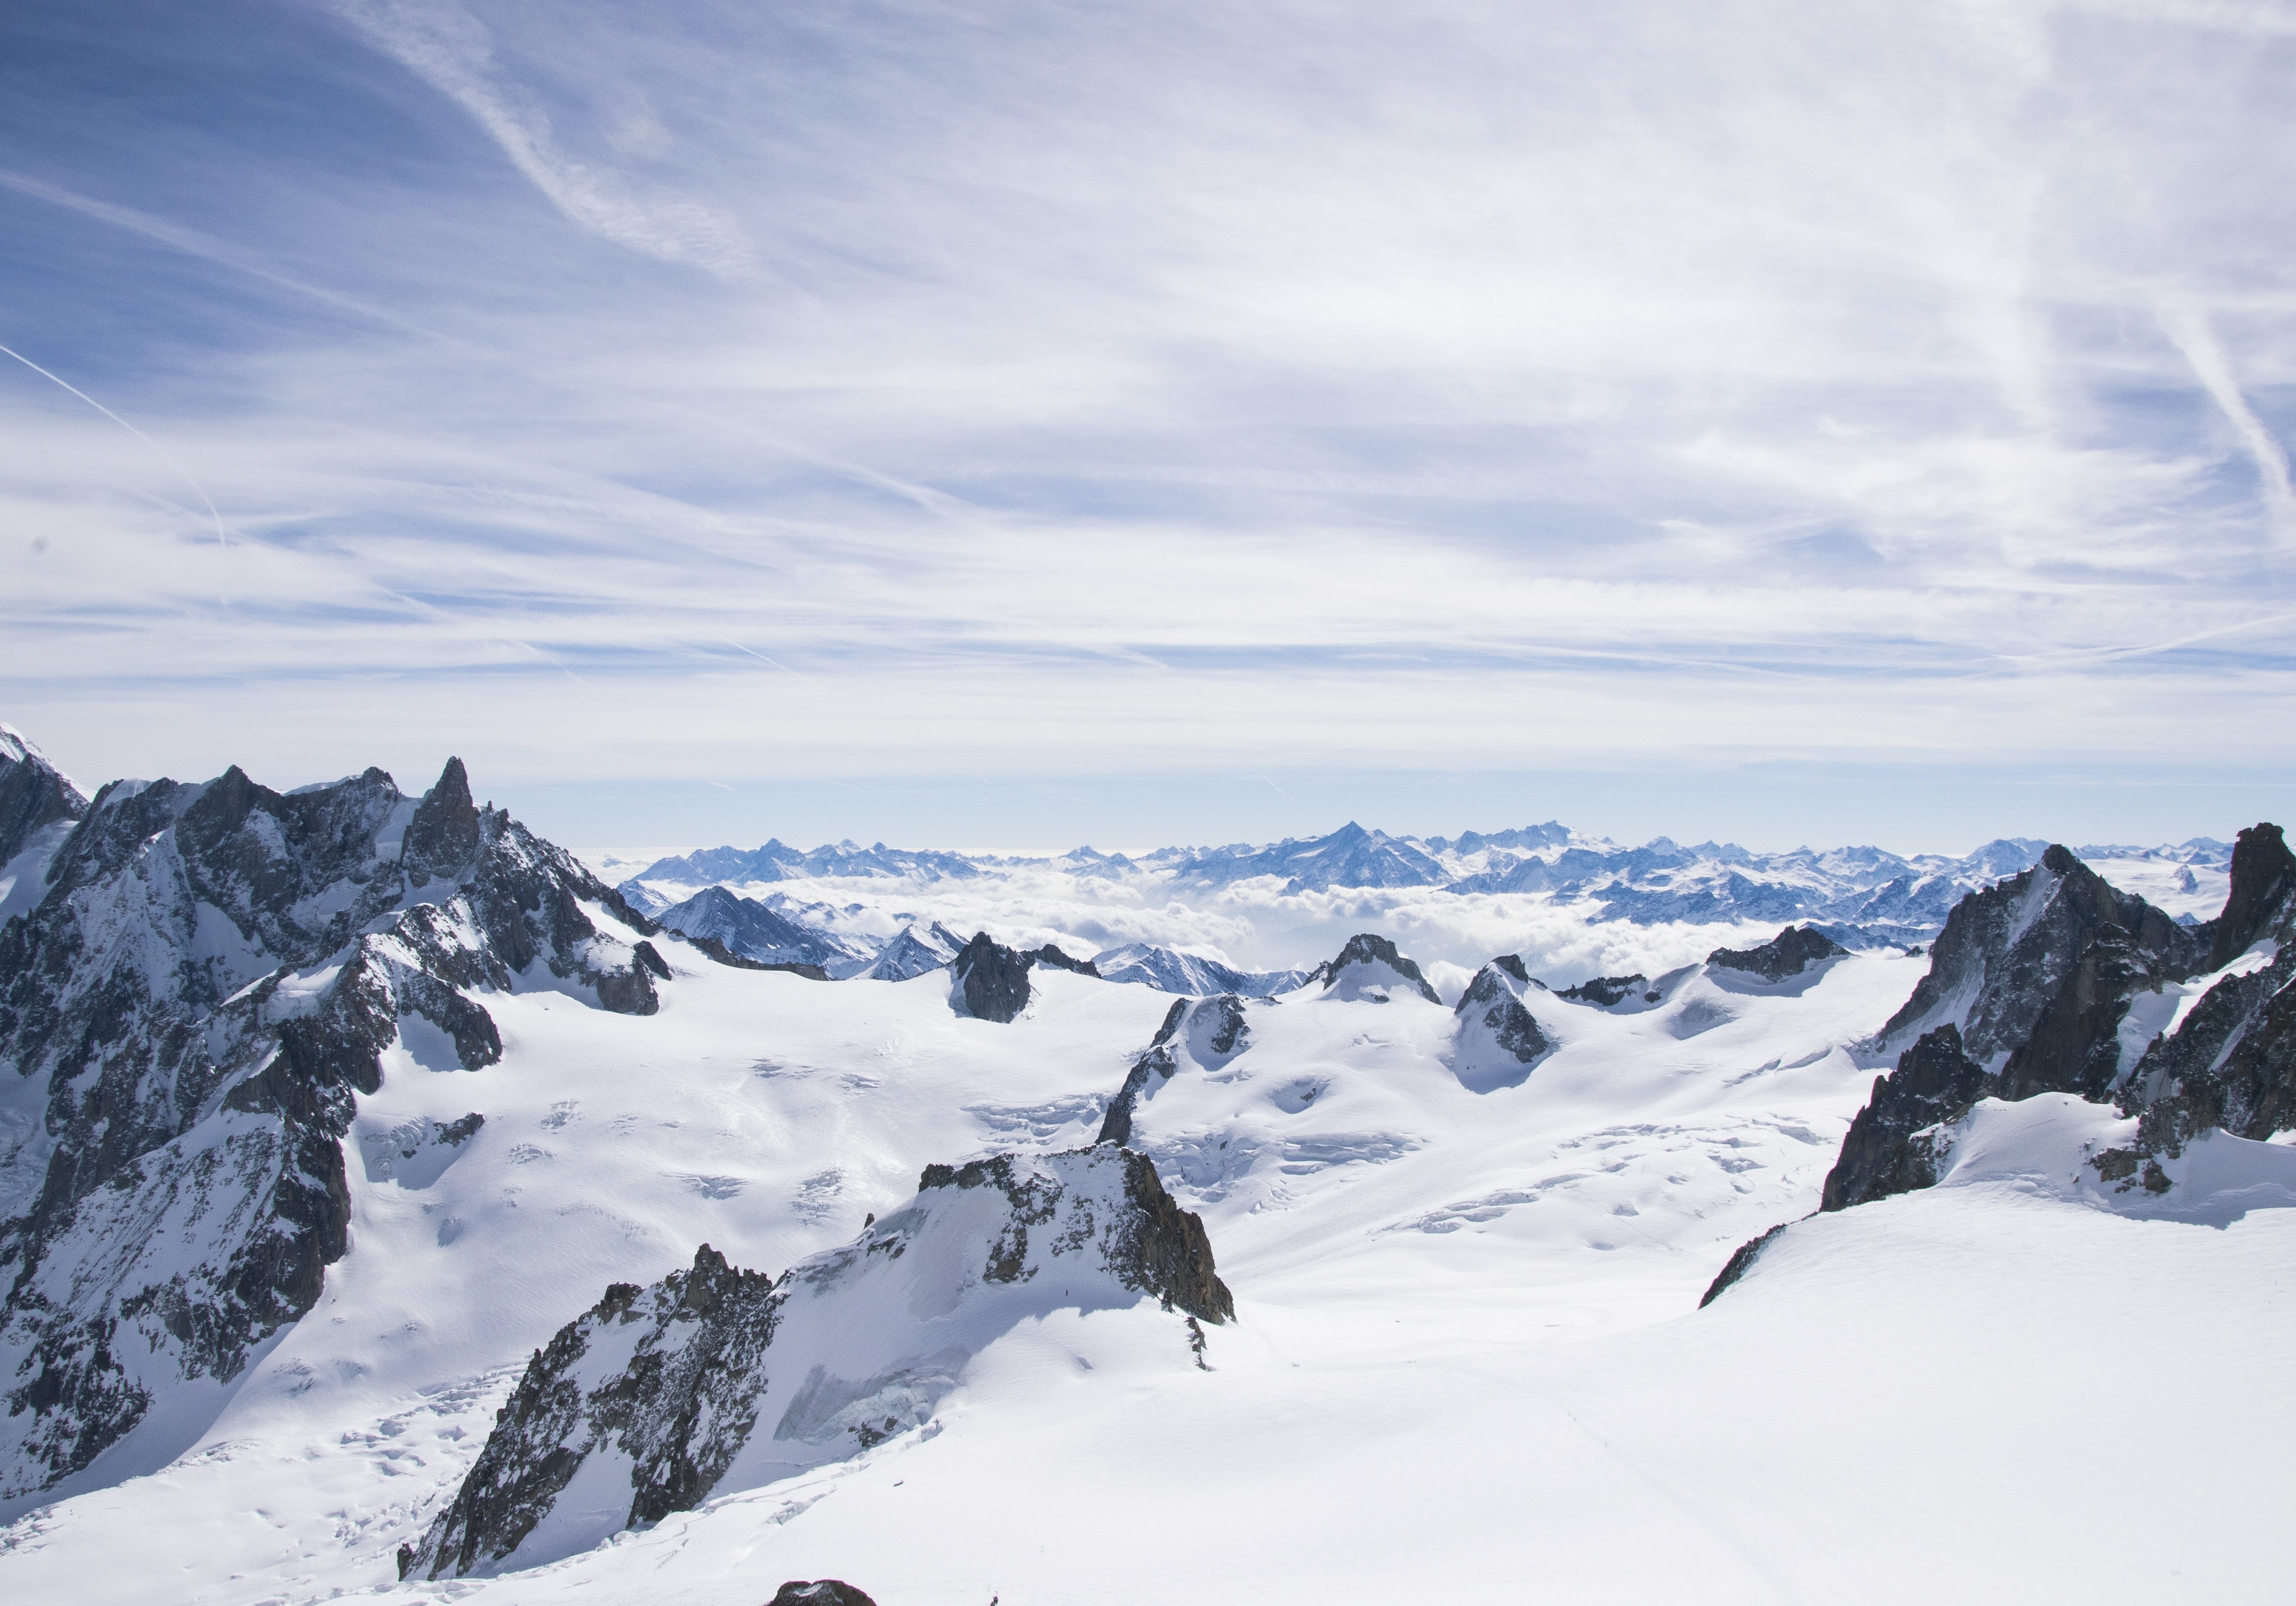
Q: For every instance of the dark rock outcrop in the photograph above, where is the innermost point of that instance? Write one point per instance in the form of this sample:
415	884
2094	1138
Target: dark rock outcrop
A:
1211	1031
2263	876
1603	991
1740	1261
2036	973
2232	1065
2028	986
1790	953
1052	958
845	1350
1370	966
199	999
681	1404
989	981
819	1592
1885	1151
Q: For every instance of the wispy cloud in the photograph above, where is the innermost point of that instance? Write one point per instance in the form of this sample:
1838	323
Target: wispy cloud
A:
2188	326
1221	389
453	51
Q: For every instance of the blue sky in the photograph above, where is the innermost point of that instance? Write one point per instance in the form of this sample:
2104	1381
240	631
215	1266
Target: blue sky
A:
1037	423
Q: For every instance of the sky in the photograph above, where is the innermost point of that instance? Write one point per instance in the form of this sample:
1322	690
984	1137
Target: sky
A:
1026	424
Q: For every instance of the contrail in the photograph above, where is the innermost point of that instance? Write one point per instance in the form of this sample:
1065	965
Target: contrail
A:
2187	327
221	538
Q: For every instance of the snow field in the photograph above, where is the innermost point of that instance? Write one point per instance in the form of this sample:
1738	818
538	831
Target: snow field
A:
1466	1361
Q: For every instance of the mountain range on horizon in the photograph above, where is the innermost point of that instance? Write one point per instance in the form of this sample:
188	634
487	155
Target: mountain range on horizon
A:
838	905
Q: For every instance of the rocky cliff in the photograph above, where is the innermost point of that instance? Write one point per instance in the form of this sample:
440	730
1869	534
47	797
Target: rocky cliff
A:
2054	982
656	1398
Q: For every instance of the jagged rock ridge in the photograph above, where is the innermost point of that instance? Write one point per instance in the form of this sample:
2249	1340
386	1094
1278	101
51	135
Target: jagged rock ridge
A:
2030	992
1792	952
668	1391
204	989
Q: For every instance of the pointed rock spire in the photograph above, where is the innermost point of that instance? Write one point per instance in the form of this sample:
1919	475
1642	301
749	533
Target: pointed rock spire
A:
444	832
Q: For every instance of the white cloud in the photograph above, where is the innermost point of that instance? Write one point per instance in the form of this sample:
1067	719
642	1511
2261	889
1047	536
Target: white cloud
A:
1077	389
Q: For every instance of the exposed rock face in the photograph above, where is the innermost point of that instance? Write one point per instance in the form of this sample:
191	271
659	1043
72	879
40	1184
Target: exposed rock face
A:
1055	958
1790	953
203	991
1497	1040
1605	990
2029	991
664	1390
1369	967
1885	1152
1210	1032
2233	1064
820	1592
1740	1261
666	1378
2036	973
2263	876
988	981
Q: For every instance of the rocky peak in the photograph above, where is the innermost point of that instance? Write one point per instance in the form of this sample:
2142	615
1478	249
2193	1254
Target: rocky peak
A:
1788	954
2041	965
1884	1153
2263	875
1052	956
988	981
444	833
1497	1040
819	1592
1371	967
1606	992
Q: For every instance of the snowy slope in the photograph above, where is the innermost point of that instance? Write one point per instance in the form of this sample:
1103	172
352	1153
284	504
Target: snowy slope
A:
1466	1216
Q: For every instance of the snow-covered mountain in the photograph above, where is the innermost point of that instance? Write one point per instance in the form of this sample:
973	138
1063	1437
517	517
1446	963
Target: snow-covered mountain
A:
393	1208
190	1015
775	861
1226	916
1169	971
39	805
749	929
